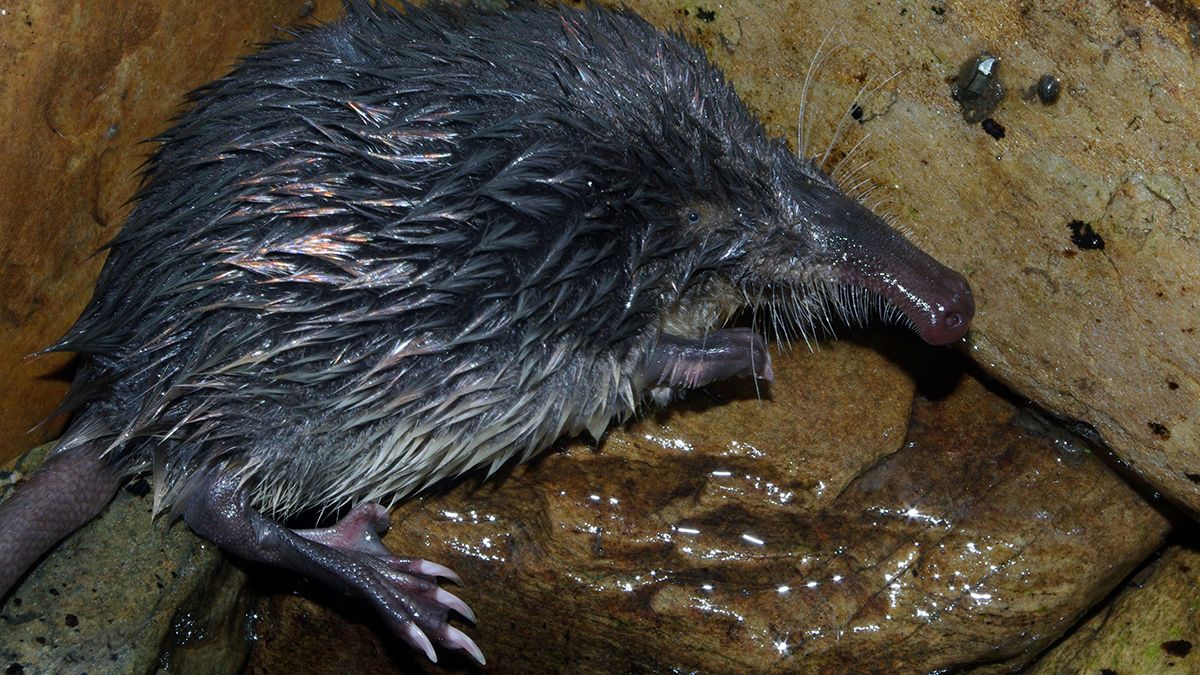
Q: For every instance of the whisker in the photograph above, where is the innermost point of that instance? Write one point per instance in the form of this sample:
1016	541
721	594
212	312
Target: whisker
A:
833	173
803	123
841	125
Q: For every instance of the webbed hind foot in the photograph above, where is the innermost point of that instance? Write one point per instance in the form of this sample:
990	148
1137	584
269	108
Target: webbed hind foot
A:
348	556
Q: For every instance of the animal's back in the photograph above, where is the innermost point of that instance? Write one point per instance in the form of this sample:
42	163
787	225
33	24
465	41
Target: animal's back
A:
377	255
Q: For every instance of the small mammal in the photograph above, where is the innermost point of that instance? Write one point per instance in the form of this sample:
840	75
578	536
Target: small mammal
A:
405	245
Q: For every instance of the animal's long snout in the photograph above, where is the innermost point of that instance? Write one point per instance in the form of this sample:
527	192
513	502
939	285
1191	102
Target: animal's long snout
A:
863	250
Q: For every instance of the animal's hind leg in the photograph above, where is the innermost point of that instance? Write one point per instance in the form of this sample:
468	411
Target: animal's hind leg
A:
348	557
695	362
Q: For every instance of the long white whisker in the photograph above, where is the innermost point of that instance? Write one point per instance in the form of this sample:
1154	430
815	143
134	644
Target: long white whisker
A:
851	190
841	125
842	162
803	123
852	175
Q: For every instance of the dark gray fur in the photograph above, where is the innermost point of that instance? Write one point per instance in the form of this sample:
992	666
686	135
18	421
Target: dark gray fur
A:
374	179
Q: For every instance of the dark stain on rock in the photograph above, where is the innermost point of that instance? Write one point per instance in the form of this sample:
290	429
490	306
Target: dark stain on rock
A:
1036	271
1180	10
1083	236
1172	385
14	669
706	15
993	128
1177	647
71	621
1159	430
938	10
857	112
1134	33
1194	477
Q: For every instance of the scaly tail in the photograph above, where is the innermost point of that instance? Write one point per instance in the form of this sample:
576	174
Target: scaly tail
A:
67	491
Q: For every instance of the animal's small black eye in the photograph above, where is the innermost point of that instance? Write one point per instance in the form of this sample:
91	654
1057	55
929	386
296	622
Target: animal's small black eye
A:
693	216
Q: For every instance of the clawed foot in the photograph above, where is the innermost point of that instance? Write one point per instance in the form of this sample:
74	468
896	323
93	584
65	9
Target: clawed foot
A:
407	596
689	363
404	590
348	556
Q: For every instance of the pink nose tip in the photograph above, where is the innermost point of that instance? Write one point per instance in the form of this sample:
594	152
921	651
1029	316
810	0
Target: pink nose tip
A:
954	313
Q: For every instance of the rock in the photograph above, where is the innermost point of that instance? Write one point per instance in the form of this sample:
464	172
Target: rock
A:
125	595
1153	625
810	531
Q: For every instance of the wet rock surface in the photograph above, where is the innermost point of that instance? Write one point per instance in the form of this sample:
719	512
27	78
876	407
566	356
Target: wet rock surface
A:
820	528
124	595
1152	626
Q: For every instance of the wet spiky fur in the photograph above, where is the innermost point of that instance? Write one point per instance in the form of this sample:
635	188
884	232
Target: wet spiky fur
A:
399	247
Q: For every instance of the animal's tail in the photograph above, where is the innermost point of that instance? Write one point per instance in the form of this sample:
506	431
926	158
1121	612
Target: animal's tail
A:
68	490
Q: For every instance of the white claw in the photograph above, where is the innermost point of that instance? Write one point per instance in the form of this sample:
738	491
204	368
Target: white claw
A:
415	637
432	569
452	601
456	639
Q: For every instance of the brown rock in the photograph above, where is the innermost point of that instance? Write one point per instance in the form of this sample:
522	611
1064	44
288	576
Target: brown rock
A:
806	532
1153	626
